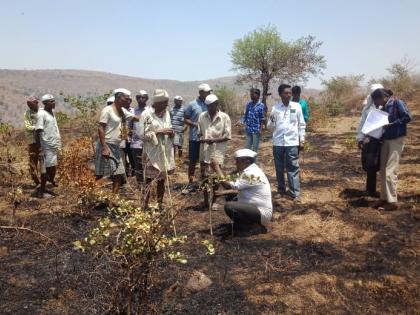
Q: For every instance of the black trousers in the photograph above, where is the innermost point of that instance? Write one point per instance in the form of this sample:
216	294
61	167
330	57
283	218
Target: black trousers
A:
243	213
138	166
371	181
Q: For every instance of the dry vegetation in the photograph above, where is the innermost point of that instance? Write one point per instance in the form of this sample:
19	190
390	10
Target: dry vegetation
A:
332	254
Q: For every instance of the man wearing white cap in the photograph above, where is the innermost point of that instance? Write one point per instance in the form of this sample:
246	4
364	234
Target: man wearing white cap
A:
49	140
30	119
254	207
157	135
136	143
112	129
369	146
177	120
110	100
214	130
192	112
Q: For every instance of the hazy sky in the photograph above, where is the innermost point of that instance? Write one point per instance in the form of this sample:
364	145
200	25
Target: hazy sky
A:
191	40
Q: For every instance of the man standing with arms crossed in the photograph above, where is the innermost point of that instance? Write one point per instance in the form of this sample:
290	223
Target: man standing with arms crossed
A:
288	124
192	112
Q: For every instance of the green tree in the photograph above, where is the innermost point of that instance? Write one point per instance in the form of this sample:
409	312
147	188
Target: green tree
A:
262	57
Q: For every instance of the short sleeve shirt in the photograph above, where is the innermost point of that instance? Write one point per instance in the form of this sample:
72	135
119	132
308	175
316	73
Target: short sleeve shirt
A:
50	135
254	116
113	129
220	127
193	110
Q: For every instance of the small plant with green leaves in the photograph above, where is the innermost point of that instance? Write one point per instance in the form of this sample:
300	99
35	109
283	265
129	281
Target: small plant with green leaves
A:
134	242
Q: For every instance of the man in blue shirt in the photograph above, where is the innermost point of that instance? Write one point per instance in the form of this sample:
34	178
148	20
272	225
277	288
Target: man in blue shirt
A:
296	91
191	114
253	120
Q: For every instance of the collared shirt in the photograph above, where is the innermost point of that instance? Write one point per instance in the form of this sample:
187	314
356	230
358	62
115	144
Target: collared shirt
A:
30	119
193	110
399	117
254	188
177	119
136	142
157	149
219	127
115	131
254	117
288	124
50	135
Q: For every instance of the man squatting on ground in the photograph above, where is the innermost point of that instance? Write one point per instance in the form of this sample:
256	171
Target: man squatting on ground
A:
252	188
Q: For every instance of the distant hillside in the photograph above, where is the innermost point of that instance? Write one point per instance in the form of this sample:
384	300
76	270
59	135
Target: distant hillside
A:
16	85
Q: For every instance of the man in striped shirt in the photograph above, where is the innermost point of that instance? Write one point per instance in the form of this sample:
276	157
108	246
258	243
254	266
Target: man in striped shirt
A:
177	121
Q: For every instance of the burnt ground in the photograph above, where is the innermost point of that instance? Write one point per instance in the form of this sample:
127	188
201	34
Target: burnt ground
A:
334	253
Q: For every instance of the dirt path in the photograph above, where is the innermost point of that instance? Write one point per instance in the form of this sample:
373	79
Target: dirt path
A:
333	253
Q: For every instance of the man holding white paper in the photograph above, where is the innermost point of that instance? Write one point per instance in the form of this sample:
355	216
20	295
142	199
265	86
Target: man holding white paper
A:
368	137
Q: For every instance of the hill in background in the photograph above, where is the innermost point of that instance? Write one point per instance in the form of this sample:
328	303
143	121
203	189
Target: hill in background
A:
17	85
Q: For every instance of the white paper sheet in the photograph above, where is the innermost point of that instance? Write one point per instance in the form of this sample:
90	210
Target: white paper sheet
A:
375	120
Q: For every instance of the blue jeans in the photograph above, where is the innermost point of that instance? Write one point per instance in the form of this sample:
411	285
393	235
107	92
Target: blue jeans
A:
287	157
252	141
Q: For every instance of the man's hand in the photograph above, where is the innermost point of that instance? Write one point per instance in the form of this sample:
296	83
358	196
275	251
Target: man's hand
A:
165	131
208	141
360	145
301	146
238	123
106	152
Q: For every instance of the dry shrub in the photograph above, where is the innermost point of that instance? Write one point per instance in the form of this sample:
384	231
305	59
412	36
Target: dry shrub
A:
342	94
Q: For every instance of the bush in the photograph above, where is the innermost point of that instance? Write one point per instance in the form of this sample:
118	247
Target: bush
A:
341	94
401	79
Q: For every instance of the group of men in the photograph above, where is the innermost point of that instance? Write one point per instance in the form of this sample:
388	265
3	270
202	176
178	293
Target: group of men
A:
143	141
44	142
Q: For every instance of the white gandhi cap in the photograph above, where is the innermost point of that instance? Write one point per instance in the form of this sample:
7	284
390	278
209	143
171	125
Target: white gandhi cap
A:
245	153
122	90
47	97
210	99
204	87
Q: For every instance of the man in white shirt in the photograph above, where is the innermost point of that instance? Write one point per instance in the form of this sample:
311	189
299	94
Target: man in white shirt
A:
254	207
288	124
369	146
49	140
112	129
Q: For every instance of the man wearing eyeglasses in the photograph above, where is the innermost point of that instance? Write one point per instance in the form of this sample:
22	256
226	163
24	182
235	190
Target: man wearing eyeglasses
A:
288	125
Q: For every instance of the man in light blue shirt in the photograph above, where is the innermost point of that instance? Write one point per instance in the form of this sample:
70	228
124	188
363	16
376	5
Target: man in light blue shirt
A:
191	114
286	120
